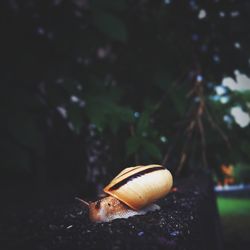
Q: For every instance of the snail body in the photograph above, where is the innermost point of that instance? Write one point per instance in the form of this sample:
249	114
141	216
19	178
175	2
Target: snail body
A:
132	192
110	208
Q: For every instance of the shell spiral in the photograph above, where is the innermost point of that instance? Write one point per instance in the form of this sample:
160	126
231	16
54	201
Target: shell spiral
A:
140	186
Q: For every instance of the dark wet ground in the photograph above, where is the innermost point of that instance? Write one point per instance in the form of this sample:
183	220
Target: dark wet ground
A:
187	220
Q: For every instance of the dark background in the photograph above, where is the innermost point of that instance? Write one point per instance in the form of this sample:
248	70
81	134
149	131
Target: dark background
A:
89	87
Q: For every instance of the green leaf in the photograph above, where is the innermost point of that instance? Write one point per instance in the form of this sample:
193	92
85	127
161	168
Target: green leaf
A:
110	25
97	109
132	145
96	116
152	150
125	114
143	122
103	110
179	100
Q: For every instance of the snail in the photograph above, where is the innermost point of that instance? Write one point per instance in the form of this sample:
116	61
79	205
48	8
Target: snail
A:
131	192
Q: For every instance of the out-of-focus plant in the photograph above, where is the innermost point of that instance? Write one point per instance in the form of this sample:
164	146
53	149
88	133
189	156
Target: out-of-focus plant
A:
142	74
242	173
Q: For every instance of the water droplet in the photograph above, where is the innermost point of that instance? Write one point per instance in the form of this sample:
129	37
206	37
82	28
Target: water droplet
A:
199	78
216	58
40	30
167	1
222	14
140	233
175	233
74	99
235	13
62	111
136	114
202	14
237	45
163	139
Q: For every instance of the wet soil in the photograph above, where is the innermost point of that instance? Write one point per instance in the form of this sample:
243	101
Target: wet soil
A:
187	220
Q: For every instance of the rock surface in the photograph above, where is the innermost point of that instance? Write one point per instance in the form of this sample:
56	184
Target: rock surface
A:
187	220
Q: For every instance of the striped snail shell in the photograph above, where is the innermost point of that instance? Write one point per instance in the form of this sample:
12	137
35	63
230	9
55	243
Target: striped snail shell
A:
132	192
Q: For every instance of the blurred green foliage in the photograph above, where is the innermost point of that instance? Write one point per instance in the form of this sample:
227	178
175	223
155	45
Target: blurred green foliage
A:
138	72
242	173
235	220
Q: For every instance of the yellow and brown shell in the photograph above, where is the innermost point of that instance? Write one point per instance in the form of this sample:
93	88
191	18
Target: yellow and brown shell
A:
140	186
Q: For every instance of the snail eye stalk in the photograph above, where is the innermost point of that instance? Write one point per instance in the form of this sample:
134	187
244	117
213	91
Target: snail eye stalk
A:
82	201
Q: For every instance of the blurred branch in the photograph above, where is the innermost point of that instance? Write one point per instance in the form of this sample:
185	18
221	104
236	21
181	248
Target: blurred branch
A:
179	79
218	128
196	114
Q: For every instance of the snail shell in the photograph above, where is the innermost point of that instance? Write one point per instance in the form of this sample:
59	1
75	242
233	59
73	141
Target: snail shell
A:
140	186
131	192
